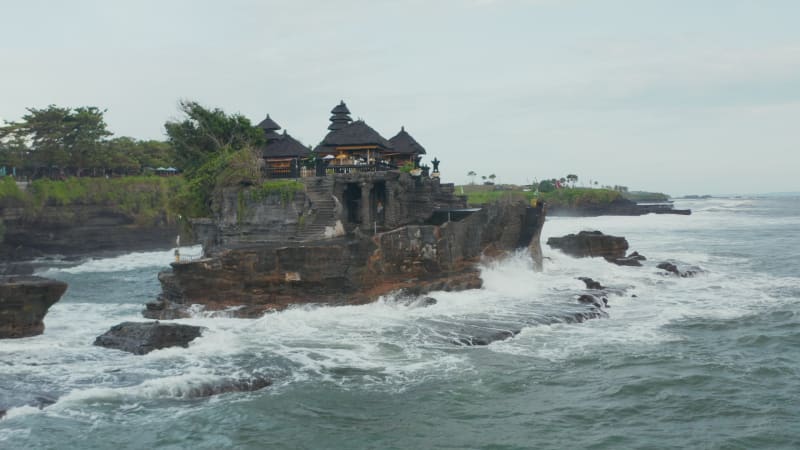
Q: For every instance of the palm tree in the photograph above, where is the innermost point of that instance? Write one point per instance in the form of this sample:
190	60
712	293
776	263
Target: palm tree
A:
472	175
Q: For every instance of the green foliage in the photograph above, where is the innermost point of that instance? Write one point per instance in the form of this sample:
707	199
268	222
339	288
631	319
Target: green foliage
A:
566	197
240	168
214	150
576	197
641	196
546	186
60	137
9	190
206	132
145	199
285	189
407	167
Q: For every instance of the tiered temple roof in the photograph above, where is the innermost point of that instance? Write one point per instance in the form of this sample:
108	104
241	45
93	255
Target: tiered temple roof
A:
270	128
404	144
340	117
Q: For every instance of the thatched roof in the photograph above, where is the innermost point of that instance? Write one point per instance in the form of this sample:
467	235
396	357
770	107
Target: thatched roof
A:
269	125
357	133
405	144
341	108
284	147
340	117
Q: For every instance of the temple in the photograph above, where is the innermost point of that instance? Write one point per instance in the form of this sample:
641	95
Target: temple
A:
349	147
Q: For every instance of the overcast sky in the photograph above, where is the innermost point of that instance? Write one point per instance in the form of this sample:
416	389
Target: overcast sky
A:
675	96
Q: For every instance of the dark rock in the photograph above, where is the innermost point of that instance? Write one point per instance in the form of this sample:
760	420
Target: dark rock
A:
628	261
590	244
487	338
591	284
143	337
637	256
673	269
590	299
227	386
16	269
24	301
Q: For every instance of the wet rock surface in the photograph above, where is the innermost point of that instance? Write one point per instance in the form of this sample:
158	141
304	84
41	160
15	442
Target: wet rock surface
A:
24	301
590	283
590	244
228	386
141	338
673	269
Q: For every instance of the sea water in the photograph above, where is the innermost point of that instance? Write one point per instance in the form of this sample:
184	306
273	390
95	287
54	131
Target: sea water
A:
711	361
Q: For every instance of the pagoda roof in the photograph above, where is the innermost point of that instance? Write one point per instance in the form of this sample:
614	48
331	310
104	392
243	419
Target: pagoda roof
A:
269	125
341	108
405	144
284	146
357	133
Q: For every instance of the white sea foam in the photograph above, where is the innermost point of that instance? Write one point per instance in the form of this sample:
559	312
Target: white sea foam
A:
133	261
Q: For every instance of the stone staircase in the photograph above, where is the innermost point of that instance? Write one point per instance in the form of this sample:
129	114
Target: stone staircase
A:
319	191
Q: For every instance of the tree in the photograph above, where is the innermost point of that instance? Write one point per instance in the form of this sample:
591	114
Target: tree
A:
572	178
206	132
472	175
547	186
205	142
492	177
66	139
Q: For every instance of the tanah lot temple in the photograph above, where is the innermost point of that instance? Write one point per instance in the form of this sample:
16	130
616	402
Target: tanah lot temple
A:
349	147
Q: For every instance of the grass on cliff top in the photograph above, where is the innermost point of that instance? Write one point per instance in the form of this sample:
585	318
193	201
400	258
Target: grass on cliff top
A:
567	197
144	198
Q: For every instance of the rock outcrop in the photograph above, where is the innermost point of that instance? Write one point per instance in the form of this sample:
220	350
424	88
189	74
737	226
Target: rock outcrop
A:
79	230
24	301
140	338
590	244
618	207
673	269
399	249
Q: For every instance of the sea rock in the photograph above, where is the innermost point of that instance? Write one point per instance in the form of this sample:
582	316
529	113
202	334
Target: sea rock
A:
143	337
590	283
24	301
673	269
627	261
637	256
590	299
591	244
487	338
227	386
416	259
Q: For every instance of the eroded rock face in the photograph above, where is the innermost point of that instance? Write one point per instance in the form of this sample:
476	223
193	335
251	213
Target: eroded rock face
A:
352	270
24	301
140	338
591	244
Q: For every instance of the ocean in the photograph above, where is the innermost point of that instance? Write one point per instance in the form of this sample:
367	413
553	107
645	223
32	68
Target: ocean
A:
711	361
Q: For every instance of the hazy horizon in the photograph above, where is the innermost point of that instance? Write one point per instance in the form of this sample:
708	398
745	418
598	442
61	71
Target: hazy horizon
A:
680	97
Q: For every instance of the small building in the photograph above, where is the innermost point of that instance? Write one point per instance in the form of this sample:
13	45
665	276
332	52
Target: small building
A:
405	149
283	155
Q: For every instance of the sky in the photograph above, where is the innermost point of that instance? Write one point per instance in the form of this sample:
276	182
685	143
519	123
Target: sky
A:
683	97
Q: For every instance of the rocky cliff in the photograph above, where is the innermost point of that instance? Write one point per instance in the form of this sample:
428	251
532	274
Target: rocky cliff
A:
78	231
376	239
24	301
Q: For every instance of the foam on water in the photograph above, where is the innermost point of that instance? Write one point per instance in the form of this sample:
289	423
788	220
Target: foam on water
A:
131	261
